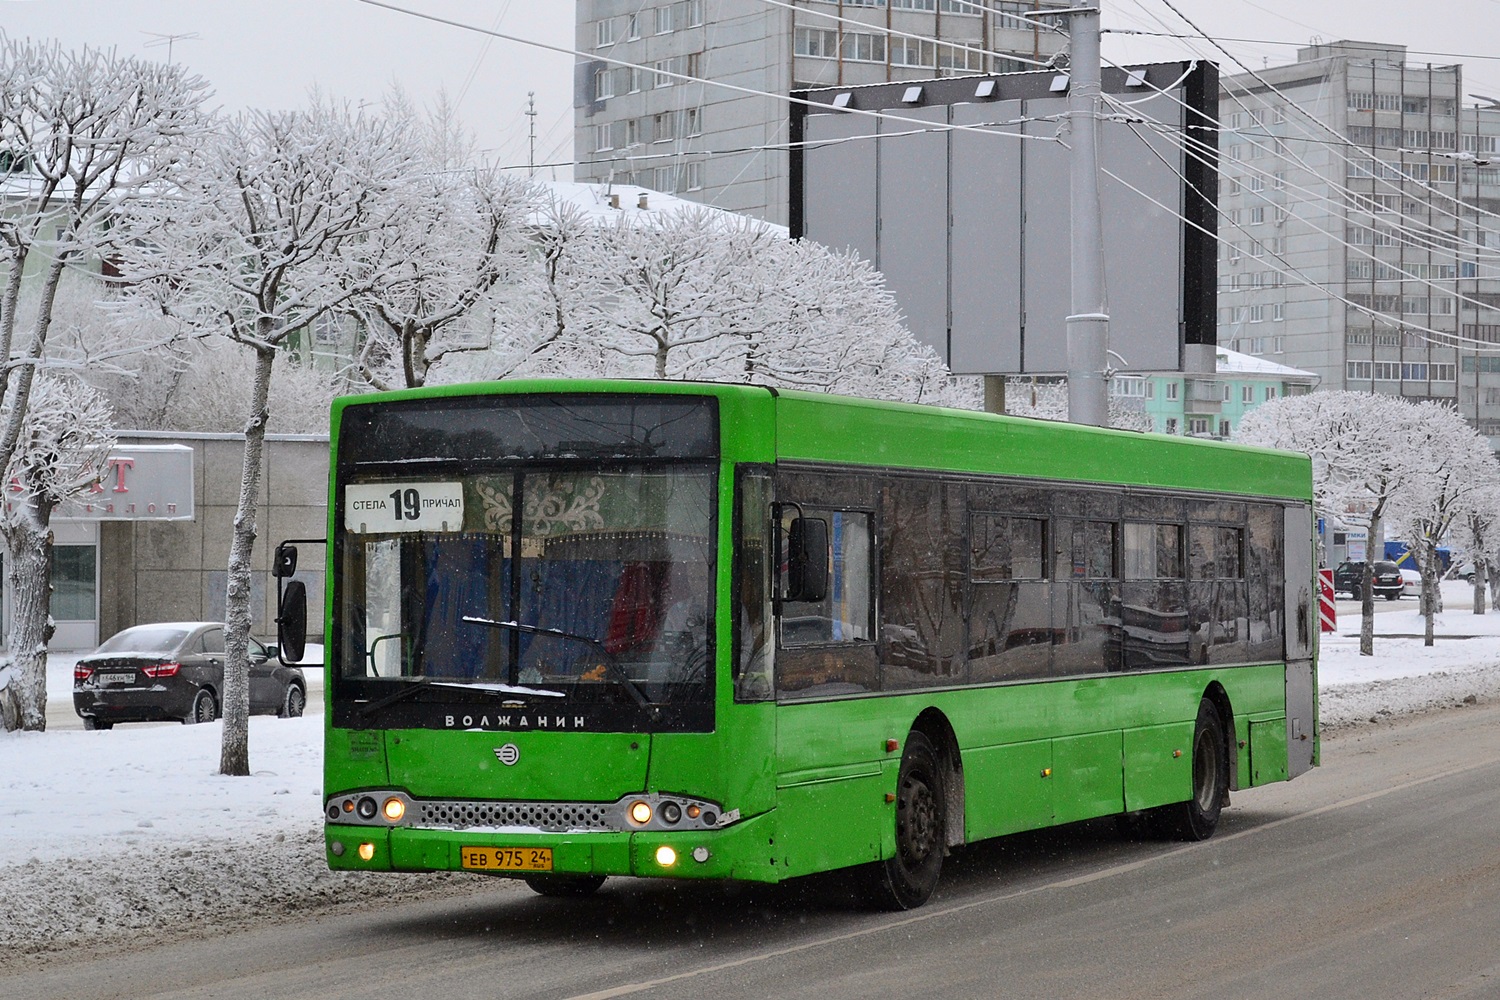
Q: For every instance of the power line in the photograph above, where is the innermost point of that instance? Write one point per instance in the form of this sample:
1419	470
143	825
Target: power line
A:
672	74
1272	41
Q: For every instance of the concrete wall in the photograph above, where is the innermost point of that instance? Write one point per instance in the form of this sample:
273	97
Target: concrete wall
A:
177	570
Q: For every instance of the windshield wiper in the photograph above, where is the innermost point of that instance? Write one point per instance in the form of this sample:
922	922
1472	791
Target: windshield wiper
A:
408	689
610	663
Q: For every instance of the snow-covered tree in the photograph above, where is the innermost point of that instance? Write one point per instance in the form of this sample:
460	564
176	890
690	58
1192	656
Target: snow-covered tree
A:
1364	449
1476	530
63	444
463	231
700	295
1048	400
1455	464
80	132
252	243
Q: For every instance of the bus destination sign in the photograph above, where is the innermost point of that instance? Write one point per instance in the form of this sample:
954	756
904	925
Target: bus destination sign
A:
392	507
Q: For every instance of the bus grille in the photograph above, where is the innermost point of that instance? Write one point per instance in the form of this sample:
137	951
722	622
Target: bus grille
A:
553	817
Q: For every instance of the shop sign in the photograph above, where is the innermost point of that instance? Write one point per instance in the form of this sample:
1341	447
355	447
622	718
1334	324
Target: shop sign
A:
146	482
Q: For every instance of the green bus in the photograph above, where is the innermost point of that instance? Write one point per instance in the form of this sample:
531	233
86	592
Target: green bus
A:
588	628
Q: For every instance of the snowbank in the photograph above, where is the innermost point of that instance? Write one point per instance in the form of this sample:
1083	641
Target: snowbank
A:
110	833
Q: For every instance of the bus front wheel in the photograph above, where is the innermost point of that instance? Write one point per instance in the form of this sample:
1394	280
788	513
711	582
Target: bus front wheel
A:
907	878
1198	817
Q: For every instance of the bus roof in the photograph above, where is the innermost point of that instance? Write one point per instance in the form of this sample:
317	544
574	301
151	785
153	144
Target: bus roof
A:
821	427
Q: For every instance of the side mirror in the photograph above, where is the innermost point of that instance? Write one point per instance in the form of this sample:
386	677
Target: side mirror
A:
291	622
807	560
284	564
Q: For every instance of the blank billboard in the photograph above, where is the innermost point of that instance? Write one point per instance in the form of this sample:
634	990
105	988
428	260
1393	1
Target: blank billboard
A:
962	201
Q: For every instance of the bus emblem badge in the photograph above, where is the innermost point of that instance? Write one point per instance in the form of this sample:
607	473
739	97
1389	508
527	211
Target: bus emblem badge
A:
508	754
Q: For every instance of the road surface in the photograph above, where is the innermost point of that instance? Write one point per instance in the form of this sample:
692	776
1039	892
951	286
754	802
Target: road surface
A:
1377	875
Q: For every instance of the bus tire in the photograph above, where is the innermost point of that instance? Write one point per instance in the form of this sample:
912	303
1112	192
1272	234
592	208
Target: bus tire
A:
1198	817
565	886
907	878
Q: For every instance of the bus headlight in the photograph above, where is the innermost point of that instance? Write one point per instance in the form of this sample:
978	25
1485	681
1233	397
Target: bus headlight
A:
666	856
394	809
640	813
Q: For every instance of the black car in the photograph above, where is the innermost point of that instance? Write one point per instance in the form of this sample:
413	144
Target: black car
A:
175	670
1349	577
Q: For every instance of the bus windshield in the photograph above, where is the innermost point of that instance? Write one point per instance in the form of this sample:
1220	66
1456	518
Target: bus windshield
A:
567	582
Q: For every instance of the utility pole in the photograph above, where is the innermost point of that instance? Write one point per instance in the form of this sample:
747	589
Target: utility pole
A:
1088	324
531	113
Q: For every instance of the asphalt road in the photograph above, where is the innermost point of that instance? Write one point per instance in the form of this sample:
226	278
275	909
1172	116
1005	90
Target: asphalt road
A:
1377	875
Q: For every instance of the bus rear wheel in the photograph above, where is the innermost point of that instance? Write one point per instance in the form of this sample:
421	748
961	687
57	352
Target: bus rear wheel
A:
565	886
1198	817
905	880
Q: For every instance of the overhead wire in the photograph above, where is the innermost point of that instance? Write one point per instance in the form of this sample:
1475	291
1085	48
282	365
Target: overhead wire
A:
1440	338
672	74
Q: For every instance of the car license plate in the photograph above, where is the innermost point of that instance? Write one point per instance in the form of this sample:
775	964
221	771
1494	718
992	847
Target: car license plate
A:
507	859
115	678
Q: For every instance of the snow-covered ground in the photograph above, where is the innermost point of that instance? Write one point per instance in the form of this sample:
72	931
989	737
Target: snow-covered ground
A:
107	834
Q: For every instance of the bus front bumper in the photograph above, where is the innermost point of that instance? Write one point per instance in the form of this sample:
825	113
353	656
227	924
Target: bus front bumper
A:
740	851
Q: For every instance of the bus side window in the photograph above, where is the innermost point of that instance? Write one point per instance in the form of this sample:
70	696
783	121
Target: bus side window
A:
843	614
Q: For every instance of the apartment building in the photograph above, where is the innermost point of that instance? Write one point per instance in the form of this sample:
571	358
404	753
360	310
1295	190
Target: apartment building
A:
647	114
1359	221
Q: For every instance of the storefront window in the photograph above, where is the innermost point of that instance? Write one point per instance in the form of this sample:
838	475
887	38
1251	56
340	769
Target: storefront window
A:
73	579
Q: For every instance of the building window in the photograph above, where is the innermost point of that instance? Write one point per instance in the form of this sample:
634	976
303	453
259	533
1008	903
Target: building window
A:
633	27
73	576
816	42
1171	425
663	127
1197	425
603	137
1270	392
695	176
604	33
1223	428
915	52
1257	215
861	46
1226	393
692	123
663	68
1150	390
664	20
604	84
693	13
1247	394
914	4
1172	389
1278	347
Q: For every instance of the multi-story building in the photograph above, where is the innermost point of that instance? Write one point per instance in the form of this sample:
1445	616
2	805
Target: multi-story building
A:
1212	406
658	123
1358	220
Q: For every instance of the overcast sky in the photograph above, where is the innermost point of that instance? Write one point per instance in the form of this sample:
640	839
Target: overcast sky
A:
269	53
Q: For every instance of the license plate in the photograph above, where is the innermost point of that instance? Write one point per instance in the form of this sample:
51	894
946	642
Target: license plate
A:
507	859
125	678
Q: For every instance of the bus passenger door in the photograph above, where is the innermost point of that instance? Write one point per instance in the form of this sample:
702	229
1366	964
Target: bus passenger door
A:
1301	643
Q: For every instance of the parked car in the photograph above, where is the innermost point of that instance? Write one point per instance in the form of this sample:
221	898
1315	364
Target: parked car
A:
1411	583
1386	581
175	670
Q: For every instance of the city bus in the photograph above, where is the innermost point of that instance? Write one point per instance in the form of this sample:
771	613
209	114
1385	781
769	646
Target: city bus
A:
577	629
